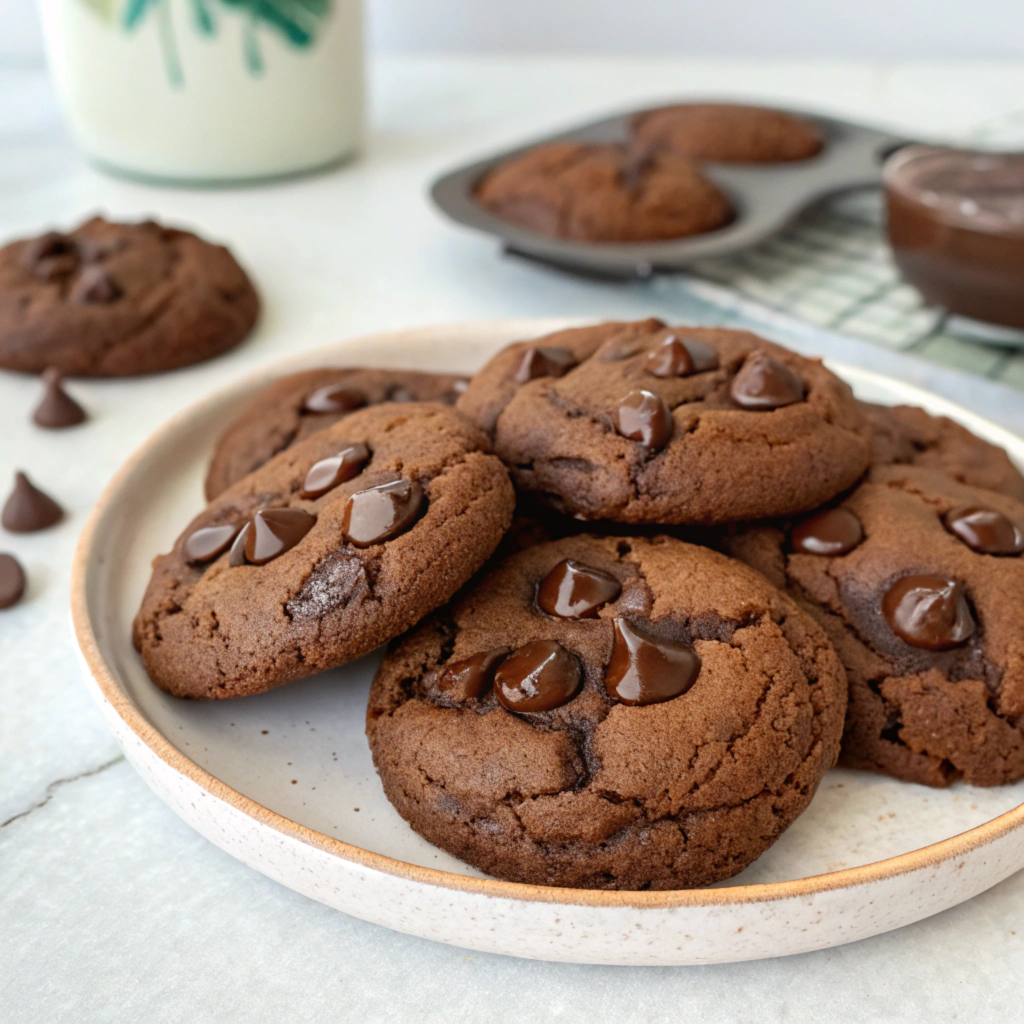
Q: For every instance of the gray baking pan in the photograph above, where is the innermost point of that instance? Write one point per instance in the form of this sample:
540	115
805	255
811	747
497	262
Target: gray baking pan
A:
765	197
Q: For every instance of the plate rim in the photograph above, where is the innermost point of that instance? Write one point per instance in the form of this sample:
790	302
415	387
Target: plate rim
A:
121	704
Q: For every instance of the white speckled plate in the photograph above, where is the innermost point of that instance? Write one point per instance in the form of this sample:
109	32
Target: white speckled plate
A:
284	782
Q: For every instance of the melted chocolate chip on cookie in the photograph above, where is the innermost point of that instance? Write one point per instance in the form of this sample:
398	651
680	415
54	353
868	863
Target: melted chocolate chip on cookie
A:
326	474
379	513
984	530
834	532
470	678
334	398
543	361
205	544
541	676
763	384
929	611
642	416
575	591
646	670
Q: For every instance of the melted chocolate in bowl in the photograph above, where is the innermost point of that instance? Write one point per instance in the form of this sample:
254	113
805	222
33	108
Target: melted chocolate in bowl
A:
956	226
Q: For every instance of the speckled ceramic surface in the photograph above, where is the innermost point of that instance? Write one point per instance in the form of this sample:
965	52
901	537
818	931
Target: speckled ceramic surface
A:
284	782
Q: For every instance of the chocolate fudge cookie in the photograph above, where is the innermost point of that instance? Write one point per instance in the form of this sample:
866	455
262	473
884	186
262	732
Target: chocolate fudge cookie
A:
609	713
294	407
727	133
603	194
907	435
115	300
644	423
332	548
919	582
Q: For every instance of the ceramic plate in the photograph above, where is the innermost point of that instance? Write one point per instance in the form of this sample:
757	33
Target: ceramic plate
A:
284	781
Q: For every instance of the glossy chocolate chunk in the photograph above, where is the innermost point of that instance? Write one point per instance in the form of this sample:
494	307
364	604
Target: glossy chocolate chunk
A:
95	286
334	398
380	513
540	676
237	556
51	255
12	581
471	678
677	358
929	611
764	383
205	544
642	416
326	474
646	670
56	409
833	532
28	509
273	531
576	591
543	361
985	530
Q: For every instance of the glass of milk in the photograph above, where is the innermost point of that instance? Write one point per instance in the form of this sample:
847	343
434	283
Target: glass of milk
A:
209	91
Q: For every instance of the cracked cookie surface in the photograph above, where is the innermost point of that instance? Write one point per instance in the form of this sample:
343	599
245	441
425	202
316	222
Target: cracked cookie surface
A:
213	629
907	435
715	460
596	793
277	417
114	300
603	194
924	715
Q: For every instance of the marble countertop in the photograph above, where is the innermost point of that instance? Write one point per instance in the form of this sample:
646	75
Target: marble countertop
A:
112	908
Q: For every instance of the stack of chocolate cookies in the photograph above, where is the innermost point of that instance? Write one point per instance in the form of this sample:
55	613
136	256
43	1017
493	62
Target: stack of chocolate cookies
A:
643	585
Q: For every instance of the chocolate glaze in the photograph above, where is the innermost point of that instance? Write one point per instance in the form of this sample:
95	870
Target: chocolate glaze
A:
648	670
764	383
576	591
543	361
540	676
12	581
984	530
956	226
834	532
471	678
326	474
205	544
334	398
28	509
379	513
929	612
642	416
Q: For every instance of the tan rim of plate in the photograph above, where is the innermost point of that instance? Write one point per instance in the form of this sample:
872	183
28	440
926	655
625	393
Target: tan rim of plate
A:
927	856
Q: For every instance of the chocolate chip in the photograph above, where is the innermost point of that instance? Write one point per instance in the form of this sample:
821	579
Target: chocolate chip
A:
273	531
206	543
400	394
677	358
984	530
237	556
929	611
645	670
576	591
334	398
56	409
326	474
12	581
28	508
642	416
471	678
764	383
380	513
540	676
543	361
51	255
833	532
95	286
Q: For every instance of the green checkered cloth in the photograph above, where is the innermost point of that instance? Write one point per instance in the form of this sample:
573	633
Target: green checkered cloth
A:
833	269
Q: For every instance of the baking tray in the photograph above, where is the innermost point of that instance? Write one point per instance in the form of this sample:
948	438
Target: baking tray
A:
765	197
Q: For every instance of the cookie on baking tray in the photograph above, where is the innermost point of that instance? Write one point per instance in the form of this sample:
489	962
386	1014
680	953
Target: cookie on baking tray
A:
116	299
613	713
330	549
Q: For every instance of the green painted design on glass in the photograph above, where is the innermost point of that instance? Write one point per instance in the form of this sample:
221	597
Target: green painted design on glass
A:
296	21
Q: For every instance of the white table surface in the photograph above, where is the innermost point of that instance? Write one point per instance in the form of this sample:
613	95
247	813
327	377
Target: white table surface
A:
111	908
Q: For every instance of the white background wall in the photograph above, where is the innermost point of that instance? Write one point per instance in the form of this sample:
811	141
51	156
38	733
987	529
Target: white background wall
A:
786	28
